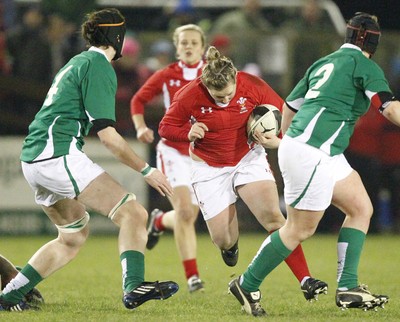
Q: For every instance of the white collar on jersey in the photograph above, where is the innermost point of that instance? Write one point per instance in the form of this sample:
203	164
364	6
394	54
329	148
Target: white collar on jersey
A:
93	48
222	104
190	73
347	45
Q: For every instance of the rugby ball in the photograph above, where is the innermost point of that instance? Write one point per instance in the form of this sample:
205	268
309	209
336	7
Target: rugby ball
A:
264	118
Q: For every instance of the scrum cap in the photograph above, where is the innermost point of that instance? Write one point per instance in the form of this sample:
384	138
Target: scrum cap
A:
363	31
105	28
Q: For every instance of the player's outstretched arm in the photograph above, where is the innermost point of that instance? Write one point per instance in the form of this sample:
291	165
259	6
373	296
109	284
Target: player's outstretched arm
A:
120	148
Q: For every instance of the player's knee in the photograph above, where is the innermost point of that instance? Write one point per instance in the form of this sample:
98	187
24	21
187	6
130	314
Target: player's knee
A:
223	241
186	214
299	231
76	240
75	233
134	214
361	209
368	210
116	210
306	233
272	220
129	212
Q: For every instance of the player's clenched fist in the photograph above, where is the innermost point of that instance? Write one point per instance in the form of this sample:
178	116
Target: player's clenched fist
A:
145	135
197	131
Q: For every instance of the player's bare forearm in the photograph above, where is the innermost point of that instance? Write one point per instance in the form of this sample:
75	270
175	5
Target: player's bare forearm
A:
392	112
287	117
120	148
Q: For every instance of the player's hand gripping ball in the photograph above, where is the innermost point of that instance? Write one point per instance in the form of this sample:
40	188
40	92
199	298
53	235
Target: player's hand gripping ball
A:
264	118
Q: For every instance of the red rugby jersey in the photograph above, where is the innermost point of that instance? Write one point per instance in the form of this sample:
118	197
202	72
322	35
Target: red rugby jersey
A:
225	144
167	82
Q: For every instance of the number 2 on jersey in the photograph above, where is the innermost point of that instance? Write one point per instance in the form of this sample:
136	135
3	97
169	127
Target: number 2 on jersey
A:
326	72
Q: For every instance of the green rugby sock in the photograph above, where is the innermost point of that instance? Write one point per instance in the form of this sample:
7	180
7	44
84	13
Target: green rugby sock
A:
271	253
349	248
132	269
25	281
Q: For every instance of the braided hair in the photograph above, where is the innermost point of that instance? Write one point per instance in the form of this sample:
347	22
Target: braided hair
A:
219	71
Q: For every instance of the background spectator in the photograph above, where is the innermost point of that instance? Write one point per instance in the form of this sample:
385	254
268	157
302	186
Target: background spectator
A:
247	18
36	47
30	60
8	13
29	48
244	26
305	31
223	43
312	18
181	14
64	43
71	10
161	54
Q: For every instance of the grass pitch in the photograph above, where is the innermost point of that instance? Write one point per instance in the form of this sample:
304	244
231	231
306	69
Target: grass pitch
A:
89	288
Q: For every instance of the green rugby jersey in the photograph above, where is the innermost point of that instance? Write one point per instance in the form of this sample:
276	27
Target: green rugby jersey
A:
335	91
82	91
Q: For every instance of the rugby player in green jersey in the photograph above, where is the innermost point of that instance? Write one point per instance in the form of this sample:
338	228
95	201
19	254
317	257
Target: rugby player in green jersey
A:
67	183
318	120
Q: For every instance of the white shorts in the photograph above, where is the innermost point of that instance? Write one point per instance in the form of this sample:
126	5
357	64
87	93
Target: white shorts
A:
60	178
215	187
176	166
309	174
